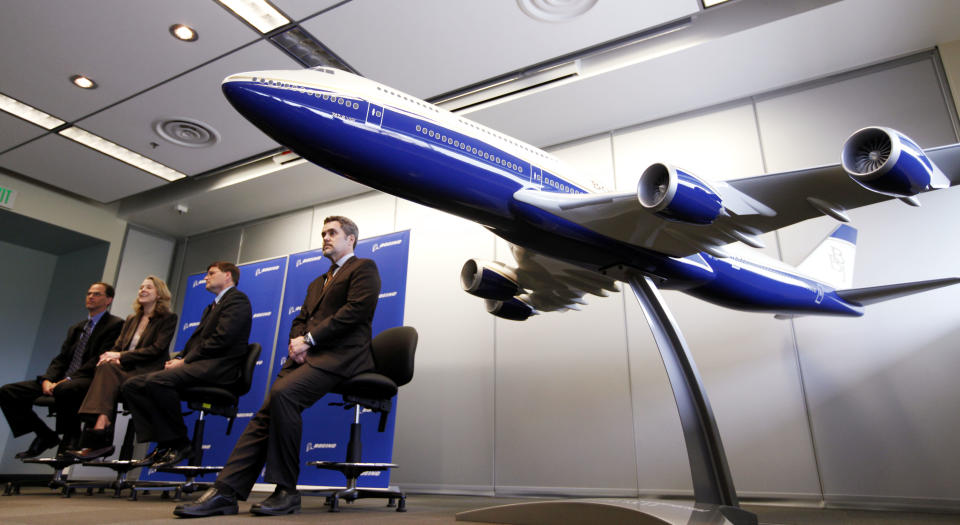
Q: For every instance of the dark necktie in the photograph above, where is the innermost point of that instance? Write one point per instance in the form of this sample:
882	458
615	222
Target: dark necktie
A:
329	275
79	348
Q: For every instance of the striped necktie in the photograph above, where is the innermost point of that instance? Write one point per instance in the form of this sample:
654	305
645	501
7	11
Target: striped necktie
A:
79	348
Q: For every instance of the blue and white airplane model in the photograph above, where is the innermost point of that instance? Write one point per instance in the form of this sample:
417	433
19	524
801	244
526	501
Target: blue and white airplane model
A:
570	240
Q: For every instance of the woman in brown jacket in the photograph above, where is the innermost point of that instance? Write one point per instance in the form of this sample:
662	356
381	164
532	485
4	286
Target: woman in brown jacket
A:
143	346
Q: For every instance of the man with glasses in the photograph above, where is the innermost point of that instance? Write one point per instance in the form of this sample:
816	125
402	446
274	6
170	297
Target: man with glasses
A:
67	378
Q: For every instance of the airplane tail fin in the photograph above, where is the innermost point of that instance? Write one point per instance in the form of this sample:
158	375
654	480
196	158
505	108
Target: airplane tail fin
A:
876	294
831	262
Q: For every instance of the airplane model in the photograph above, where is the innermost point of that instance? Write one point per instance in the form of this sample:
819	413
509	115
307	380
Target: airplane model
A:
676	231
570	240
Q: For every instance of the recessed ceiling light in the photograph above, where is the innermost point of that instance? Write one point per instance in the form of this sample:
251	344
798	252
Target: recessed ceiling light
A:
258	13
29	113
183	32
83	82
711	3
121	153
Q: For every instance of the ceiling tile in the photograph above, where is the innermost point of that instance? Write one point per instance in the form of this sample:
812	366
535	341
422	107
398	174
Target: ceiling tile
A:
78	169
300	9
14	131
195	96
429	47
278	192
125	46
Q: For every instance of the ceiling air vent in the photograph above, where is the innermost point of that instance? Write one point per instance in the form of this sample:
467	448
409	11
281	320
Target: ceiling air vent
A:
187	132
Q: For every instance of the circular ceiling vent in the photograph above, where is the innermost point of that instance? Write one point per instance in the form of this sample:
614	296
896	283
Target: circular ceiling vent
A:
555	10
187	132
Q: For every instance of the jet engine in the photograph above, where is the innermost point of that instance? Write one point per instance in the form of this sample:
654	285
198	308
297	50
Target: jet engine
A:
513	309
488	280
675	194
885	161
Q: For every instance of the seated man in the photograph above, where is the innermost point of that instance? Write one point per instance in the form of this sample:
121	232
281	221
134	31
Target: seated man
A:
66	379
329	342
213	356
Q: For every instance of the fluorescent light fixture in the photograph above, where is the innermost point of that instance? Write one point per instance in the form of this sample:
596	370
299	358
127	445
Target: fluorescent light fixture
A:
120	153
711	3
258	13
183	32
307	50
83	82
29	113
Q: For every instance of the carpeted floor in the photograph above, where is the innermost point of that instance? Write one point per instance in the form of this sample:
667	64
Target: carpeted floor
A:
42	506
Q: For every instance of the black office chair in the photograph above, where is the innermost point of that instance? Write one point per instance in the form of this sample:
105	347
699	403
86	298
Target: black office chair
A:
393	353
58	463
206	400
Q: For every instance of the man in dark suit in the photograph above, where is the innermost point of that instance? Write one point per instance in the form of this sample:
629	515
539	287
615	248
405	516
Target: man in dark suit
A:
213	356
329	342
66	379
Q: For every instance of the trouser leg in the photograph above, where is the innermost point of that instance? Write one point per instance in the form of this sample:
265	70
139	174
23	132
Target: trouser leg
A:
16	401
273	435
69	395
290	395
156	403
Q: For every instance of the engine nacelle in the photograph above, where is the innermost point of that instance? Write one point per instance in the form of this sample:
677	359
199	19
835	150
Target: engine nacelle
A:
677	195
488	280
886	161
513	309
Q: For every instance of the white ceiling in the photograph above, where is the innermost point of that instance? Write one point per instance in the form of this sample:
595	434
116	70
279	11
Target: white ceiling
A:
425	47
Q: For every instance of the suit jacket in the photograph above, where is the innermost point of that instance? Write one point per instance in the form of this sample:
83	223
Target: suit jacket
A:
338	317
153	348
101	339
218	346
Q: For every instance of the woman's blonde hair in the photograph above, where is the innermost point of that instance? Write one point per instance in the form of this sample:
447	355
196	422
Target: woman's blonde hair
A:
163	297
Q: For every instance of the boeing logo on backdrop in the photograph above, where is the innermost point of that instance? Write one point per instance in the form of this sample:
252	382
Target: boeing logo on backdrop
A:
308	260
388	294
198	282
315	446
380	245
293	310
265	270
194	324
262	314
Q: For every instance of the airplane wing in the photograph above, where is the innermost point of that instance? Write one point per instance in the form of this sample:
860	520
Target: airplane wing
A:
755	205
552	285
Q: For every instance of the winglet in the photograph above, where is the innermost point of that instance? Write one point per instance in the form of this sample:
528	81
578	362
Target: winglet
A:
832	260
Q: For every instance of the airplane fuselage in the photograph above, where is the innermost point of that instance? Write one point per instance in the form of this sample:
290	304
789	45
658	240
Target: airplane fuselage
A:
406	147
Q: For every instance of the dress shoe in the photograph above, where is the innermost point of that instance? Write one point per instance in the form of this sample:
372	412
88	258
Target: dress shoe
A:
90	454
38	445
153	457
211	503
279	503
174	456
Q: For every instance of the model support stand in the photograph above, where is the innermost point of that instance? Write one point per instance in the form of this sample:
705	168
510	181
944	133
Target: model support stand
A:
713	491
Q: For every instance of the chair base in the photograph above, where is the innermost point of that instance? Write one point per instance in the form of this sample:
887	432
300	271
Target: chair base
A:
59	480
351	492
187	486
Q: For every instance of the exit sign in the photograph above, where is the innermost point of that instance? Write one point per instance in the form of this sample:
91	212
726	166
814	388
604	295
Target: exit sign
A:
7	196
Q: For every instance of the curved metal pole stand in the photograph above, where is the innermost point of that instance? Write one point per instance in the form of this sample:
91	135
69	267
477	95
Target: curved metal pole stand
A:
712	483
716	499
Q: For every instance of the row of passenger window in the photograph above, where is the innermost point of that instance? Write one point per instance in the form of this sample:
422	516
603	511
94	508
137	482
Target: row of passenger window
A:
470	149
325	96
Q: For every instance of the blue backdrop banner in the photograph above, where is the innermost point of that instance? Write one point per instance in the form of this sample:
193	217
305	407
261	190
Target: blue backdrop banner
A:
263	283
326	429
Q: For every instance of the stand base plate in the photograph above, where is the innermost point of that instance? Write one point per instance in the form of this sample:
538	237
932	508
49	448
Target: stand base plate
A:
603	510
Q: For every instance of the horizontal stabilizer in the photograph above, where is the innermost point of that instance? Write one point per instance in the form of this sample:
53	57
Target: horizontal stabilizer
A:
876	294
